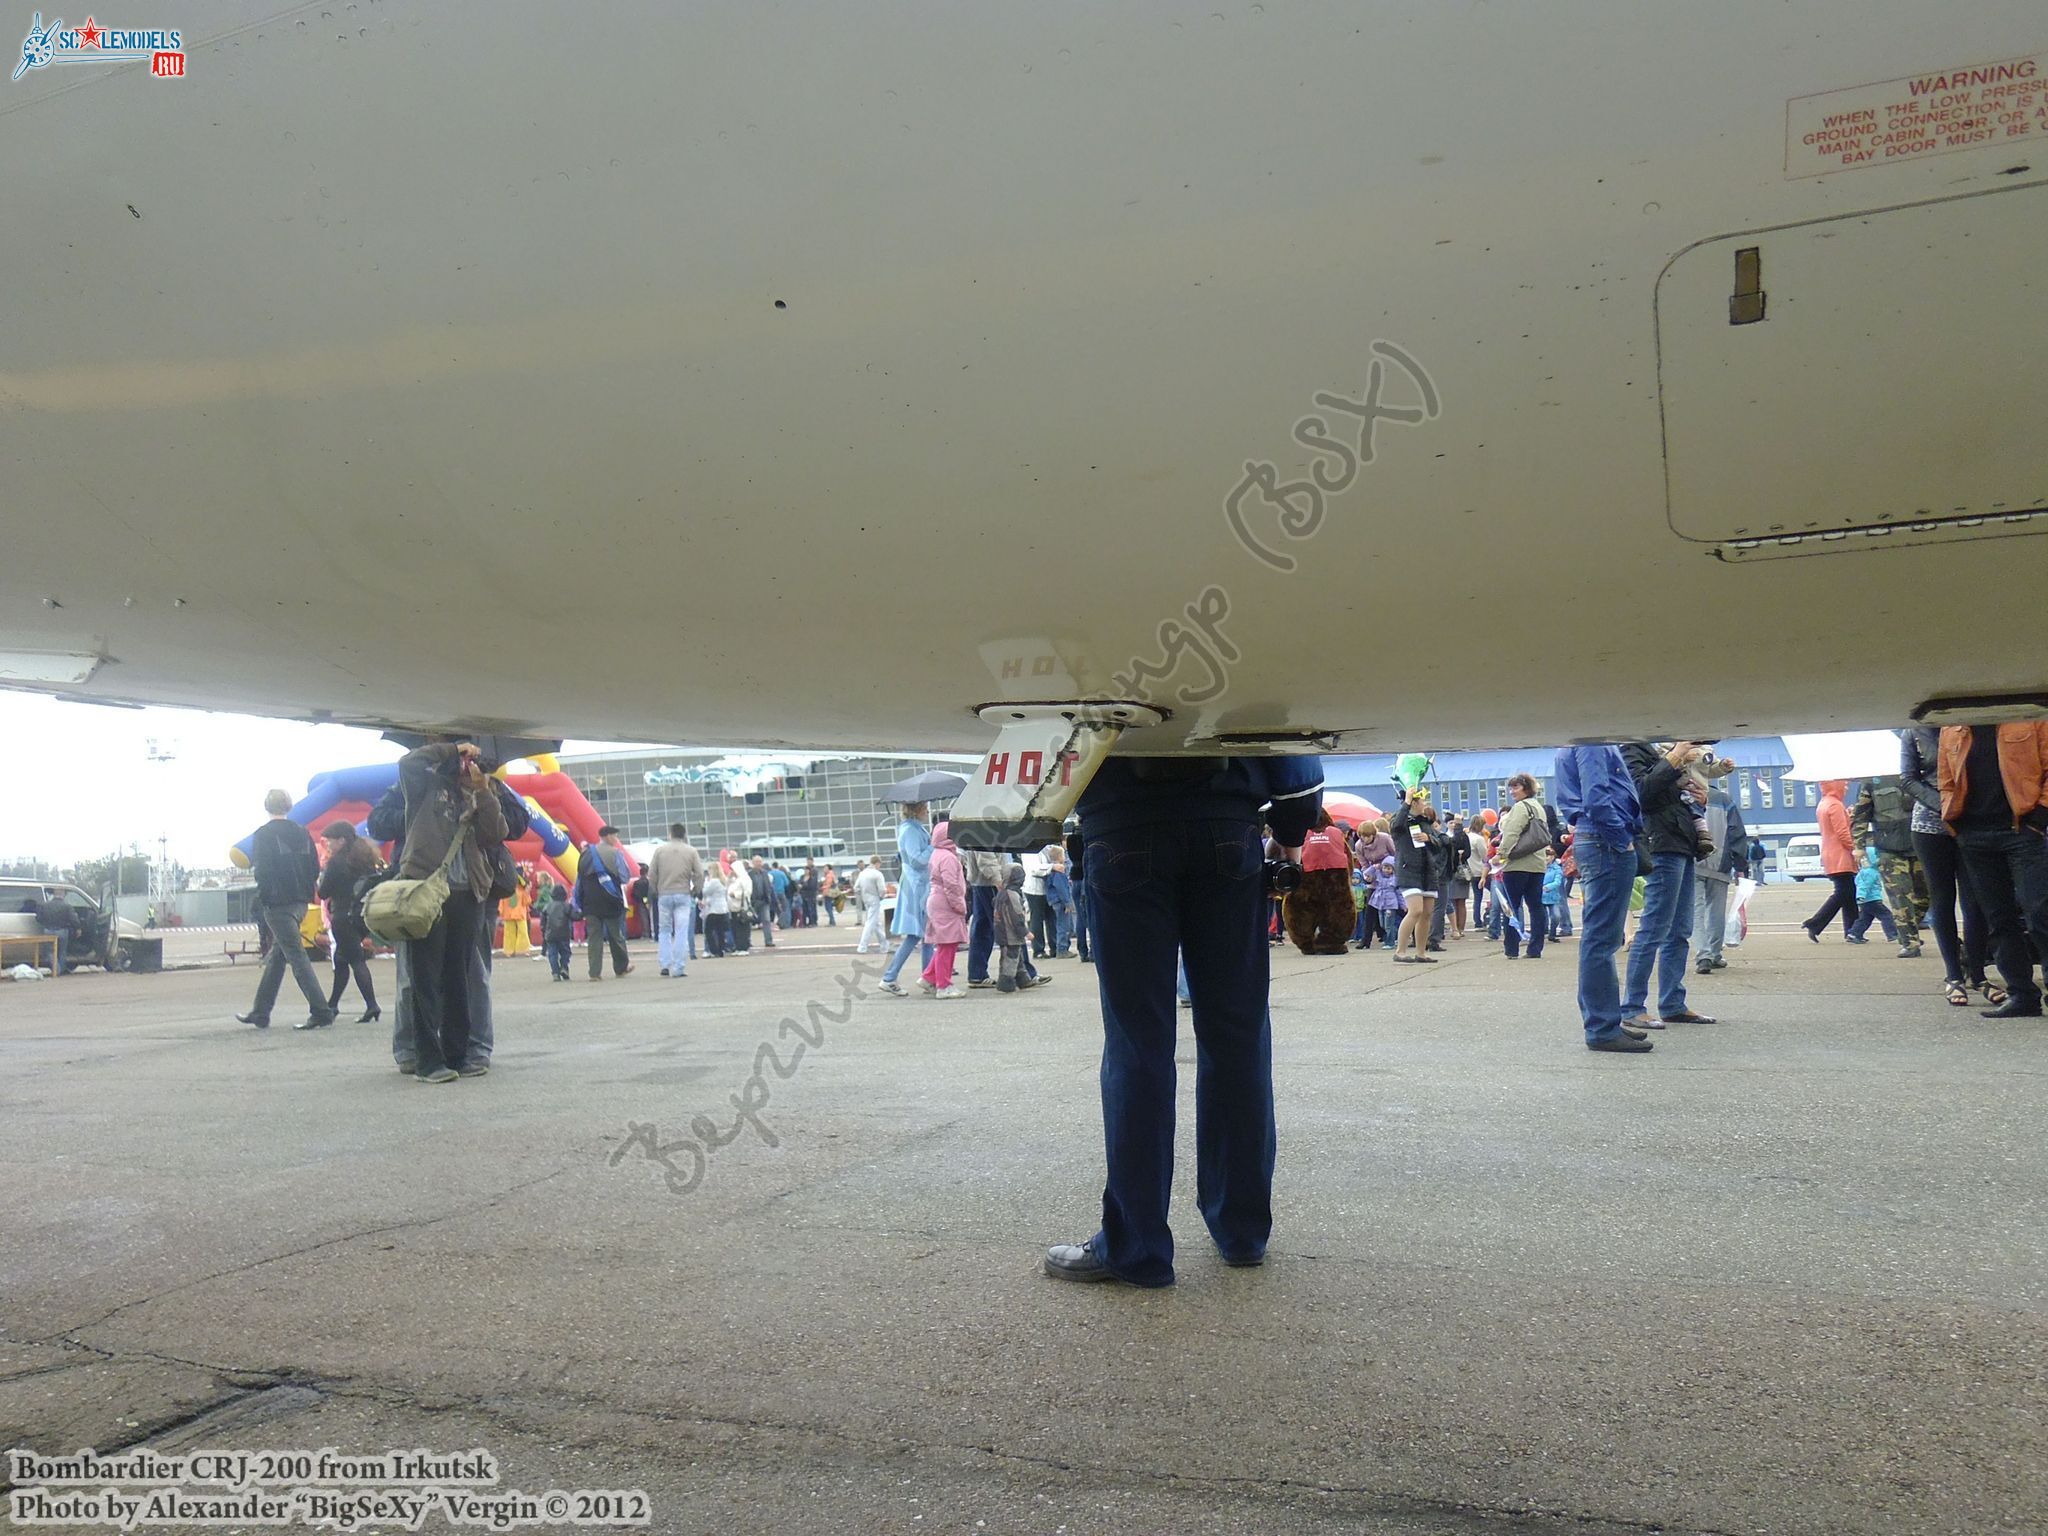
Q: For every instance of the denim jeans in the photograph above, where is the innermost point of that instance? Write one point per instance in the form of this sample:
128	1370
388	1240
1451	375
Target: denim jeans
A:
1525	911
1062	930
1607	874
1563	930
676	911
910	942
287	948
597	931
1869	912
981	930
1084	936
2008	871
1663	937
1193	890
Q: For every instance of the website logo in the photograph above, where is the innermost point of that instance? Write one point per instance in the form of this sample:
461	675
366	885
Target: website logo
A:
161	49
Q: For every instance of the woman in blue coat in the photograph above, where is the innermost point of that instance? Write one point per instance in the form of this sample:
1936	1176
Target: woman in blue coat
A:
914	850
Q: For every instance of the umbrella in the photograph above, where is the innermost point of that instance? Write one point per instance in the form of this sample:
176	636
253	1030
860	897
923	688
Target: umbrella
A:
934	784
1349	808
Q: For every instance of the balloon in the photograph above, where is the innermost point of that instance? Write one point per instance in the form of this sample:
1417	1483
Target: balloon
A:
1409	769
1489	816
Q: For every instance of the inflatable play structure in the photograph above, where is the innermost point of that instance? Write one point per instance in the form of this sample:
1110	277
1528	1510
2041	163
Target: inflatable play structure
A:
563	821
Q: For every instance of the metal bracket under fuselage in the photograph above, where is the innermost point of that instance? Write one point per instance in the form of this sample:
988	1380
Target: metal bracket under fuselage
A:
1025	786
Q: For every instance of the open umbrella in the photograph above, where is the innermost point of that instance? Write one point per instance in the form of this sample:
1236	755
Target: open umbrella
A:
933	784
1349	808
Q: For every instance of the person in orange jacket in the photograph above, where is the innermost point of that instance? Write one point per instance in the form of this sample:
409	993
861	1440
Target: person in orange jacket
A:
1837	860
514	911
1994	797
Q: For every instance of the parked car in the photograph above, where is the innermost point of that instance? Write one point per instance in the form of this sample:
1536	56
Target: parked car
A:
1800	857
99	937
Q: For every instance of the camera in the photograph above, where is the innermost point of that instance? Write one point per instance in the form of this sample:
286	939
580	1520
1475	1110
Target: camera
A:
1282	877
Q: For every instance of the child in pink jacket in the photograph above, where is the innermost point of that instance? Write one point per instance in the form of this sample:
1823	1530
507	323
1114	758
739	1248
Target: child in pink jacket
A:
945	914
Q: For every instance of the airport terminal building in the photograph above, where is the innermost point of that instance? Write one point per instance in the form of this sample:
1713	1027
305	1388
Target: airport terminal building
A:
1774	806
774	803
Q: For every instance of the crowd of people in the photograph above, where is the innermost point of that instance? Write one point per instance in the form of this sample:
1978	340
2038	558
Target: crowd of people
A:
1956	842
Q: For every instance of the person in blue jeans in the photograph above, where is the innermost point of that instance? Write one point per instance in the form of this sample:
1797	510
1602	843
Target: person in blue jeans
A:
1671	801
1597	796
1176	869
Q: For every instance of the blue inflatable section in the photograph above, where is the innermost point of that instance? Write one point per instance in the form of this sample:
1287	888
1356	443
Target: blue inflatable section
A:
343	786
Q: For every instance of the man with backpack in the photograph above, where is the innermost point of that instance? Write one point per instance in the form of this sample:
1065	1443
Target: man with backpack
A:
602	880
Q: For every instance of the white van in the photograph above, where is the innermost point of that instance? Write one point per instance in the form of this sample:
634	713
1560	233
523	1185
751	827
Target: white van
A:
1800	857
99	937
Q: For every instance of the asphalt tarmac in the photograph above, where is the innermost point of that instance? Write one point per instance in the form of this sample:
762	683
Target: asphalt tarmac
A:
1786	1274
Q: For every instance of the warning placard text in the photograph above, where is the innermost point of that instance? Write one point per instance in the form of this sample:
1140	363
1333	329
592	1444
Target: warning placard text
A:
1944	110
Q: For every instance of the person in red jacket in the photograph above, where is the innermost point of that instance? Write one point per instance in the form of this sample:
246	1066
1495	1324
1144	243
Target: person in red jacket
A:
1837	860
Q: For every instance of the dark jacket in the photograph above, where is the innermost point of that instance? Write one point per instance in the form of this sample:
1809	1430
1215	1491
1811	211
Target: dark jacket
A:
435	802
338	883
591	896
386	822
1668	825
1883	813
286	866
557	923
1137	791
1418	868
1459	853
1920	777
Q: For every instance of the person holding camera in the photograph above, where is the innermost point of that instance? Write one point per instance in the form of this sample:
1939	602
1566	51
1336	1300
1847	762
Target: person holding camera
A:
447	796
1175	871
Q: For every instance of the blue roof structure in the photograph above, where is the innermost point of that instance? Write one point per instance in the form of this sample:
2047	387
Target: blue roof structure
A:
1366	772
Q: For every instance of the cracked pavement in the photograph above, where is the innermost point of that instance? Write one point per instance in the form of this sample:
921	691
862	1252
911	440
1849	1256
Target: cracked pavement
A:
1786	1274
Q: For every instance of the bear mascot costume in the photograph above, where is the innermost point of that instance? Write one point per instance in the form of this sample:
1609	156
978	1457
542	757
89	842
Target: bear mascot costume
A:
1319	912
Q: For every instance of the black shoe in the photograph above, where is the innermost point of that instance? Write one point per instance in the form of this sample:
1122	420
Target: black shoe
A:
1245	1260
1687	1016
371	1017
316	1020
2012	1008
1632	1044
260	1020
1075	1261
1811	934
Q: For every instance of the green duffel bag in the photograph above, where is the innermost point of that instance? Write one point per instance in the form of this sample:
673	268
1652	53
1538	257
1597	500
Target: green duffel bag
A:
408	909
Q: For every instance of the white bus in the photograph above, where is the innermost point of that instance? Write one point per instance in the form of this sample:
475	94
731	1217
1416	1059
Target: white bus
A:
789	851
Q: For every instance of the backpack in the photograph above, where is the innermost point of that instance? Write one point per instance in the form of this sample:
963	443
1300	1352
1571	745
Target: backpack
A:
408	909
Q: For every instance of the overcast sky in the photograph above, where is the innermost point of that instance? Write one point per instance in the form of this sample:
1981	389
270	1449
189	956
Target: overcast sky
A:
76	780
